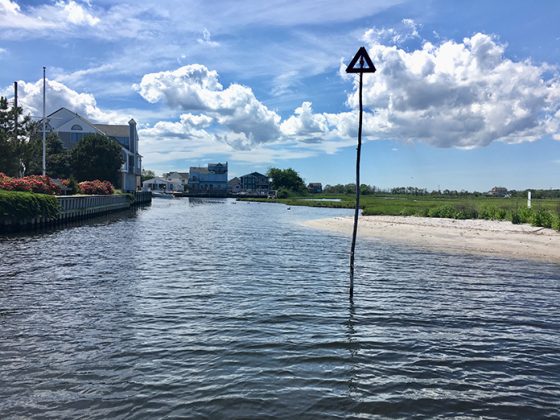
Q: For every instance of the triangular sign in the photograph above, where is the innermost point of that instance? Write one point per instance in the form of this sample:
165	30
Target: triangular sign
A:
363	58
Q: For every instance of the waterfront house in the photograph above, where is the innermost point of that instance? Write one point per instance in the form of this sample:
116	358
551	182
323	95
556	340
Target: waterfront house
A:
159	184
315	188
178	179
211	180
71	128
255	183
234	186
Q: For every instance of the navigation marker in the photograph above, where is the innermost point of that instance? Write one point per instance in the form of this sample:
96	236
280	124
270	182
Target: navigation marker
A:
362	58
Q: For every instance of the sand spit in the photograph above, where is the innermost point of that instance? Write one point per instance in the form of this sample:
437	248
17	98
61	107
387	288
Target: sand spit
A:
486	237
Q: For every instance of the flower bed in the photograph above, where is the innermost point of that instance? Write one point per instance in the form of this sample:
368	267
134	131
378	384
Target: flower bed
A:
96	187
34	183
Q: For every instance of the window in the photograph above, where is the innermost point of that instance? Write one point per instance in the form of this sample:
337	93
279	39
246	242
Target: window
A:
77	127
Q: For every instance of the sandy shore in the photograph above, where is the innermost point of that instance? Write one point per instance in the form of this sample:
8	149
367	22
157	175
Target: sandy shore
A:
462	236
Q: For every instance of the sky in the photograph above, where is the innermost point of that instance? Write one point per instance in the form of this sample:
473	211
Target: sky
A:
466	93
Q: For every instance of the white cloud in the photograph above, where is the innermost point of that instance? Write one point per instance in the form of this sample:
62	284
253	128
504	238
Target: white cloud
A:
206	39
459	94
30	96
235	108
48	16
3	51
407	30
76	14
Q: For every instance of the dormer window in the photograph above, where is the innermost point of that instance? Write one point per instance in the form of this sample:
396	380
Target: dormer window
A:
77	127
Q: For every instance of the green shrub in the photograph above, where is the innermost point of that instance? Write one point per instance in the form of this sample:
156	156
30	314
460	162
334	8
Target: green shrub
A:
543	218
466	212
282	193
443	211
25	205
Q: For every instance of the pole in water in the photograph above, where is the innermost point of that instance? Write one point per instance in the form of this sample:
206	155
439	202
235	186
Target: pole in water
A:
363	58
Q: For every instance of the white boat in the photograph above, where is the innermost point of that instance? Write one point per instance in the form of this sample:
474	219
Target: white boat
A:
162	194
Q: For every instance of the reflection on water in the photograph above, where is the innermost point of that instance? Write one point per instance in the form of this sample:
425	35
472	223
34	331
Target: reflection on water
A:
211	308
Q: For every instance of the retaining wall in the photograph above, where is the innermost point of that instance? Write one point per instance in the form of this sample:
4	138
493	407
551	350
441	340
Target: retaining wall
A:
77	207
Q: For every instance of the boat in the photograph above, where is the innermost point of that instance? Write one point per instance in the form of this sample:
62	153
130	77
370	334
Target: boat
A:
162	194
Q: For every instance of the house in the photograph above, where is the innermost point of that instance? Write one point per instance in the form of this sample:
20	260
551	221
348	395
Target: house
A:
178	179
234	186
158	184
315	187
212	180
71	128
255	183
498	192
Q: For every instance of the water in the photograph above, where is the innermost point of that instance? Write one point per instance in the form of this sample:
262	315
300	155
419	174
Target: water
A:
211	308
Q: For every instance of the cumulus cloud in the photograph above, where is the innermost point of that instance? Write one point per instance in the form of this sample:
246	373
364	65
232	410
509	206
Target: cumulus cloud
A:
30	96
49	16
458	94
235	108
405	31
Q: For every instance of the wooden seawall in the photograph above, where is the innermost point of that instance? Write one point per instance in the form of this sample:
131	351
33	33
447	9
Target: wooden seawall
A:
78	207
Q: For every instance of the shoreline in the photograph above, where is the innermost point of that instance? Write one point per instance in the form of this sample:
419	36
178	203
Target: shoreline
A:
471	236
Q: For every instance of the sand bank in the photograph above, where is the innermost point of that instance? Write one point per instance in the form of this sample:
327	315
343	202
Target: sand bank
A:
487	237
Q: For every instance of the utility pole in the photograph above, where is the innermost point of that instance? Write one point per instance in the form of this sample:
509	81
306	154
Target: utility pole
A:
363	58
44	123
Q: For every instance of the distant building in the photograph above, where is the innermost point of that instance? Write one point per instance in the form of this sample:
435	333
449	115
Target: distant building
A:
315	187
178	179
498	192
71	128
255	183
234	186
211	180
159	184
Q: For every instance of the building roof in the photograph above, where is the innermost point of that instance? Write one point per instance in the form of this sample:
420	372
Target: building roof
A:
198	170
114	130
255	174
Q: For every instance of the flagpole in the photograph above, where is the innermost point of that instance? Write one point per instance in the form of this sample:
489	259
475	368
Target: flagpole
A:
44	123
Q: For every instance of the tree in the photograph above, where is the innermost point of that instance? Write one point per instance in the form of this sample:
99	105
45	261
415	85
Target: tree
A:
13	138
286	178
96	157
147	174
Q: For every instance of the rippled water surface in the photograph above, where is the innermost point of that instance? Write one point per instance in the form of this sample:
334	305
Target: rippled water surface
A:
211	308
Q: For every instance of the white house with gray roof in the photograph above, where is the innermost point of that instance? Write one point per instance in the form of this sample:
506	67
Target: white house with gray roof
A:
71	128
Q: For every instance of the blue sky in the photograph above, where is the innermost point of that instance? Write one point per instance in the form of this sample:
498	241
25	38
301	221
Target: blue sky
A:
467	93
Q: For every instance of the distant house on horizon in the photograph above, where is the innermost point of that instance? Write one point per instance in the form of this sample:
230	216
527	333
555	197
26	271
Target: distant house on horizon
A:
234	186
255	183
315	187
212	180
498	192
71	128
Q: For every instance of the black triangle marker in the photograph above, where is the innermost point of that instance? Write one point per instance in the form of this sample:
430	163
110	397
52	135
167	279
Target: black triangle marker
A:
363	56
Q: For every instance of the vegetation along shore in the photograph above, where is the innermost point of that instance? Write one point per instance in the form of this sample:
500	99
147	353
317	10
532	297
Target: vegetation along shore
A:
544	212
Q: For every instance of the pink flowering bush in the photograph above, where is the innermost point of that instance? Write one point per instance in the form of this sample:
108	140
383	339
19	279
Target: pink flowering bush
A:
34	183
96	187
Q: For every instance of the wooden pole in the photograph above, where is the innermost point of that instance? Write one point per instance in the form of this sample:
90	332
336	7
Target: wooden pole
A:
357	209
363	58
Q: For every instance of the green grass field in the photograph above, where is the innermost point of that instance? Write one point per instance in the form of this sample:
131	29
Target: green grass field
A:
543	212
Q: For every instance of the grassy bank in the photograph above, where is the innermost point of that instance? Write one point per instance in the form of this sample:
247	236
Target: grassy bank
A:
26	205
544	212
